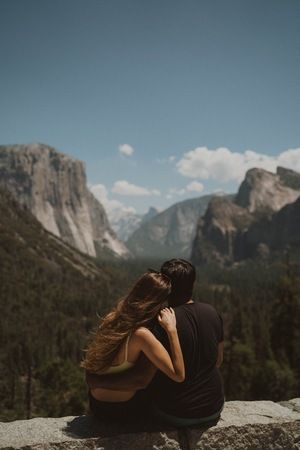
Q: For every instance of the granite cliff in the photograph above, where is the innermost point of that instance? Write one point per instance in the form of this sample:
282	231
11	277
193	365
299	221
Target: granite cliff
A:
262	218
53	187
263	191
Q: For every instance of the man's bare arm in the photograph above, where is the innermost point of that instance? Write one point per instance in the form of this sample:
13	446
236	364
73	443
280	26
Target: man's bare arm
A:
138	377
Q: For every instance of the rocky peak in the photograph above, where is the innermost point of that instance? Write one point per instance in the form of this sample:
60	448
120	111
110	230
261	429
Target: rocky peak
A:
289	177
265	191
53	186
152	212
251	224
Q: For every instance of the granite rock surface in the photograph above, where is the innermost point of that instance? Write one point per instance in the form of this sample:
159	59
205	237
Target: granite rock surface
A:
242	425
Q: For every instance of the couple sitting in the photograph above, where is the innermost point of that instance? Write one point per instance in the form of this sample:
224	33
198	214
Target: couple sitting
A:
148	356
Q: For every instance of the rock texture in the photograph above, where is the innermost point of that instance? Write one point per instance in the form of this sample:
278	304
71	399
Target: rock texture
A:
266	191
170	233
243	425
262	219
276	232
53	186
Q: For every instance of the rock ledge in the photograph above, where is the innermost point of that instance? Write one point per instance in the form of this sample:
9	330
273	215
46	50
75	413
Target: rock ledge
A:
243	425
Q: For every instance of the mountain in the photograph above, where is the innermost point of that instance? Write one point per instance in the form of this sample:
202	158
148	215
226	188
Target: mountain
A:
169	233
261	218
265	191
274	233
124	223
53	186
152	212
219	231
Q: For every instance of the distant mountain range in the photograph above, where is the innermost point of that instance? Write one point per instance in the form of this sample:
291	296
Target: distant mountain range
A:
170	233
125	223
263	218
53	186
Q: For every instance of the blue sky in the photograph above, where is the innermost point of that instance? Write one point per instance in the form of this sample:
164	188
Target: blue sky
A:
200	90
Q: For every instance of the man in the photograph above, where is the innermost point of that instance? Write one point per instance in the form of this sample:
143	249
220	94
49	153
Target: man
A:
200	397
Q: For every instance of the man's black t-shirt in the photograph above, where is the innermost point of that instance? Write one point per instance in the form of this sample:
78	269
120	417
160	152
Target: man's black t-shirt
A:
200	329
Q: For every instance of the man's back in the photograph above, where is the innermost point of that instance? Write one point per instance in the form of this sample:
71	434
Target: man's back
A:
200	330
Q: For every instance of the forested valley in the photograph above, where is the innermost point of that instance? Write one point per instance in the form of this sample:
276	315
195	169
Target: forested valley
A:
51	297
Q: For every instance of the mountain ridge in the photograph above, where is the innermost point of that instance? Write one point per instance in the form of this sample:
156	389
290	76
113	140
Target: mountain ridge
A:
248	226
170	233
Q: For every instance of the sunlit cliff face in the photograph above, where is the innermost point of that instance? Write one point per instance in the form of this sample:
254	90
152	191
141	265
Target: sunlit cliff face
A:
53	186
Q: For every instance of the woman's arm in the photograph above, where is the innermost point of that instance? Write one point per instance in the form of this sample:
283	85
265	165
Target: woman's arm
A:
172	366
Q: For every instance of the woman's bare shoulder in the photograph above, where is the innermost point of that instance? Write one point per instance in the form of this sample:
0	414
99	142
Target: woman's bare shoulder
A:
142	333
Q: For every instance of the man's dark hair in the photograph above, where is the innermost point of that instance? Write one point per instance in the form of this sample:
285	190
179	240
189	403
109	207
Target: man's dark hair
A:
182	275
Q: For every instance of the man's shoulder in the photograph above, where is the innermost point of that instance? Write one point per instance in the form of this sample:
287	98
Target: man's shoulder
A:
207	307
200	311
208	310
195	306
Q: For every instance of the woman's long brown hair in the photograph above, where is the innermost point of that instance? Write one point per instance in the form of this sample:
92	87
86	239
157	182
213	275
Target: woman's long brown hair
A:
137	309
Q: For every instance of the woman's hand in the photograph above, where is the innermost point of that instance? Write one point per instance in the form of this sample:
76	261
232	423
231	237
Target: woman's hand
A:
167	319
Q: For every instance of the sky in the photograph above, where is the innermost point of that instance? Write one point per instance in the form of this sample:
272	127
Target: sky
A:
162	99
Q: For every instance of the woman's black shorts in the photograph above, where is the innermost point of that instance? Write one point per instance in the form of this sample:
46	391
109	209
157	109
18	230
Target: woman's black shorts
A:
117	410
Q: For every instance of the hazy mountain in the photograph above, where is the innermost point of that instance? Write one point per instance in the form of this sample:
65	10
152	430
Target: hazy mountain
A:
152	212
263	217
124	223
171	232
53	186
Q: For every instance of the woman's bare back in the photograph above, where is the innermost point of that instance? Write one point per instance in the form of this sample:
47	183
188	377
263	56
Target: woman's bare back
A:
130	355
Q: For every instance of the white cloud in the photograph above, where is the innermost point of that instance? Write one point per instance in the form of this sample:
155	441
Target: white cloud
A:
110	206
169	159
290	159
123	187
195	186
224	165
219	192
126	149
176	191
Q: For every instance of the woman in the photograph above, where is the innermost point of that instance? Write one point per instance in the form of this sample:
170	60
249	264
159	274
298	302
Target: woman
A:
124	334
